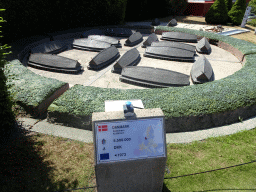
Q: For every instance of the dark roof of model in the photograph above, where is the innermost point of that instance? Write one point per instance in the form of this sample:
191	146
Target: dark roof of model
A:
153	77
169	53
134	39
54	63
179	36
104	58
130	58
90	45
202	71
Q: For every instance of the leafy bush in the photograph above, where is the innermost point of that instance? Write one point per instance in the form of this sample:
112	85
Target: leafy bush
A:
237	11
252	4
6	113
177	7
31	17
146	9
217	13
228	4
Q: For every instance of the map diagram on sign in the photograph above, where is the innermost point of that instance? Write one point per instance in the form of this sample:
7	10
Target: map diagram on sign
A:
147	145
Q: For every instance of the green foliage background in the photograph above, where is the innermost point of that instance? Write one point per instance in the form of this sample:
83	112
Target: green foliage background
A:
7	116
30	17
252	4
237	11
217	13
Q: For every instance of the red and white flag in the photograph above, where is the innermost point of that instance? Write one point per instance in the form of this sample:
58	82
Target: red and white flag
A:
102	128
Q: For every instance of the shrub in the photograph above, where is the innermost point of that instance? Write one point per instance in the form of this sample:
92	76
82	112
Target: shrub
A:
37	17
228	4
252	22
252	4
177	7
146	9
7	116
217	13
237	11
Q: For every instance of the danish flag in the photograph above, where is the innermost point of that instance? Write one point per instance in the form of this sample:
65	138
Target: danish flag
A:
103	128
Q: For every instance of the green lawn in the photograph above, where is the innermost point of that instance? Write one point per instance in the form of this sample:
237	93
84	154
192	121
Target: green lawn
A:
47	163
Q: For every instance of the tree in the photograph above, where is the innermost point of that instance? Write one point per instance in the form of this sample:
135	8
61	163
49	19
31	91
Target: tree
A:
228	4
217	13
237	11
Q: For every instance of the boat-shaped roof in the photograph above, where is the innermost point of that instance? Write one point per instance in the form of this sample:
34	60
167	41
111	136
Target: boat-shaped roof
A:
90	45
92	32
151	38
174	44
153	77
118	32
202	71
179	36
111	40
104	58
130	58
54	63
203	46
50	47
134	39
169	53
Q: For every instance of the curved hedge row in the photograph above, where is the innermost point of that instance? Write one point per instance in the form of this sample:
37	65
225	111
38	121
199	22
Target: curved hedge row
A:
188	108
30	90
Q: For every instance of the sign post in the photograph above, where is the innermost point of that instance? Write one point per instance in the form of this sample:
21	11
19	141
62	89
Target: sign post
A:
130	152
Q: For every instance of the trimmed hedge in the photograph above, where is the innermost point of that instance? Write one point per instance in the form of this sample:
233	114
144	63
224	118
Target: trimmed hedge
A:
218	13
28	88
237	11
228	94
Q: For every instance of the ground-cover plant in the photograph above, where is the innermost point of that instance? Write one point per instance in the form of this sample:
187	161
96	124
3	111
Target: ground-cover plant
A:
29	89
217	13
237	11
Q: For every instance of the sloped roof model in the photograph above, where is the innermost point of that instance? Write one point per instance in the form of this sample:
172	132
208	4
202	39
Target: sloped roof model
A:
202	71
104	58
153	77
172	23
174	44
134	39
179	36
92	32
111	40
54	63
130	58
169	53
203	46
151	38
155	22
90	45
51	47
118	32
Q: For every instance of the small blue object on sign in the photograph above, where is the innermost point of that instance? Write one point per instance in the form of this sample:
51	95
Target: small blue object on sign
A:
104	156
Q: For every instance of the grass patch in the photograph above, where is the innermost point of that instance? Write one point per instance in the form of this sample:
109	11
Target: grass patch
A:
42	162
213	153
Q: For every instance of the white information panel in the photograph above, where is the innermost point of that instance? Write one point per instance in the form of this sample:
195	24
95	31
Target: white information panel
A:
131	139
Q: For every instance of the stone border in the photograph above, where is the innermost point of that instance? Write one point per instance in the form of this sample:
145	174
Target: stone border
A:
175	124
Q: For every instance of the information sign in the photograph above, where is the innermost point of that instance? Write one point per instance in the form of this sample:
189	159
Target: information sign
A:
129	139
